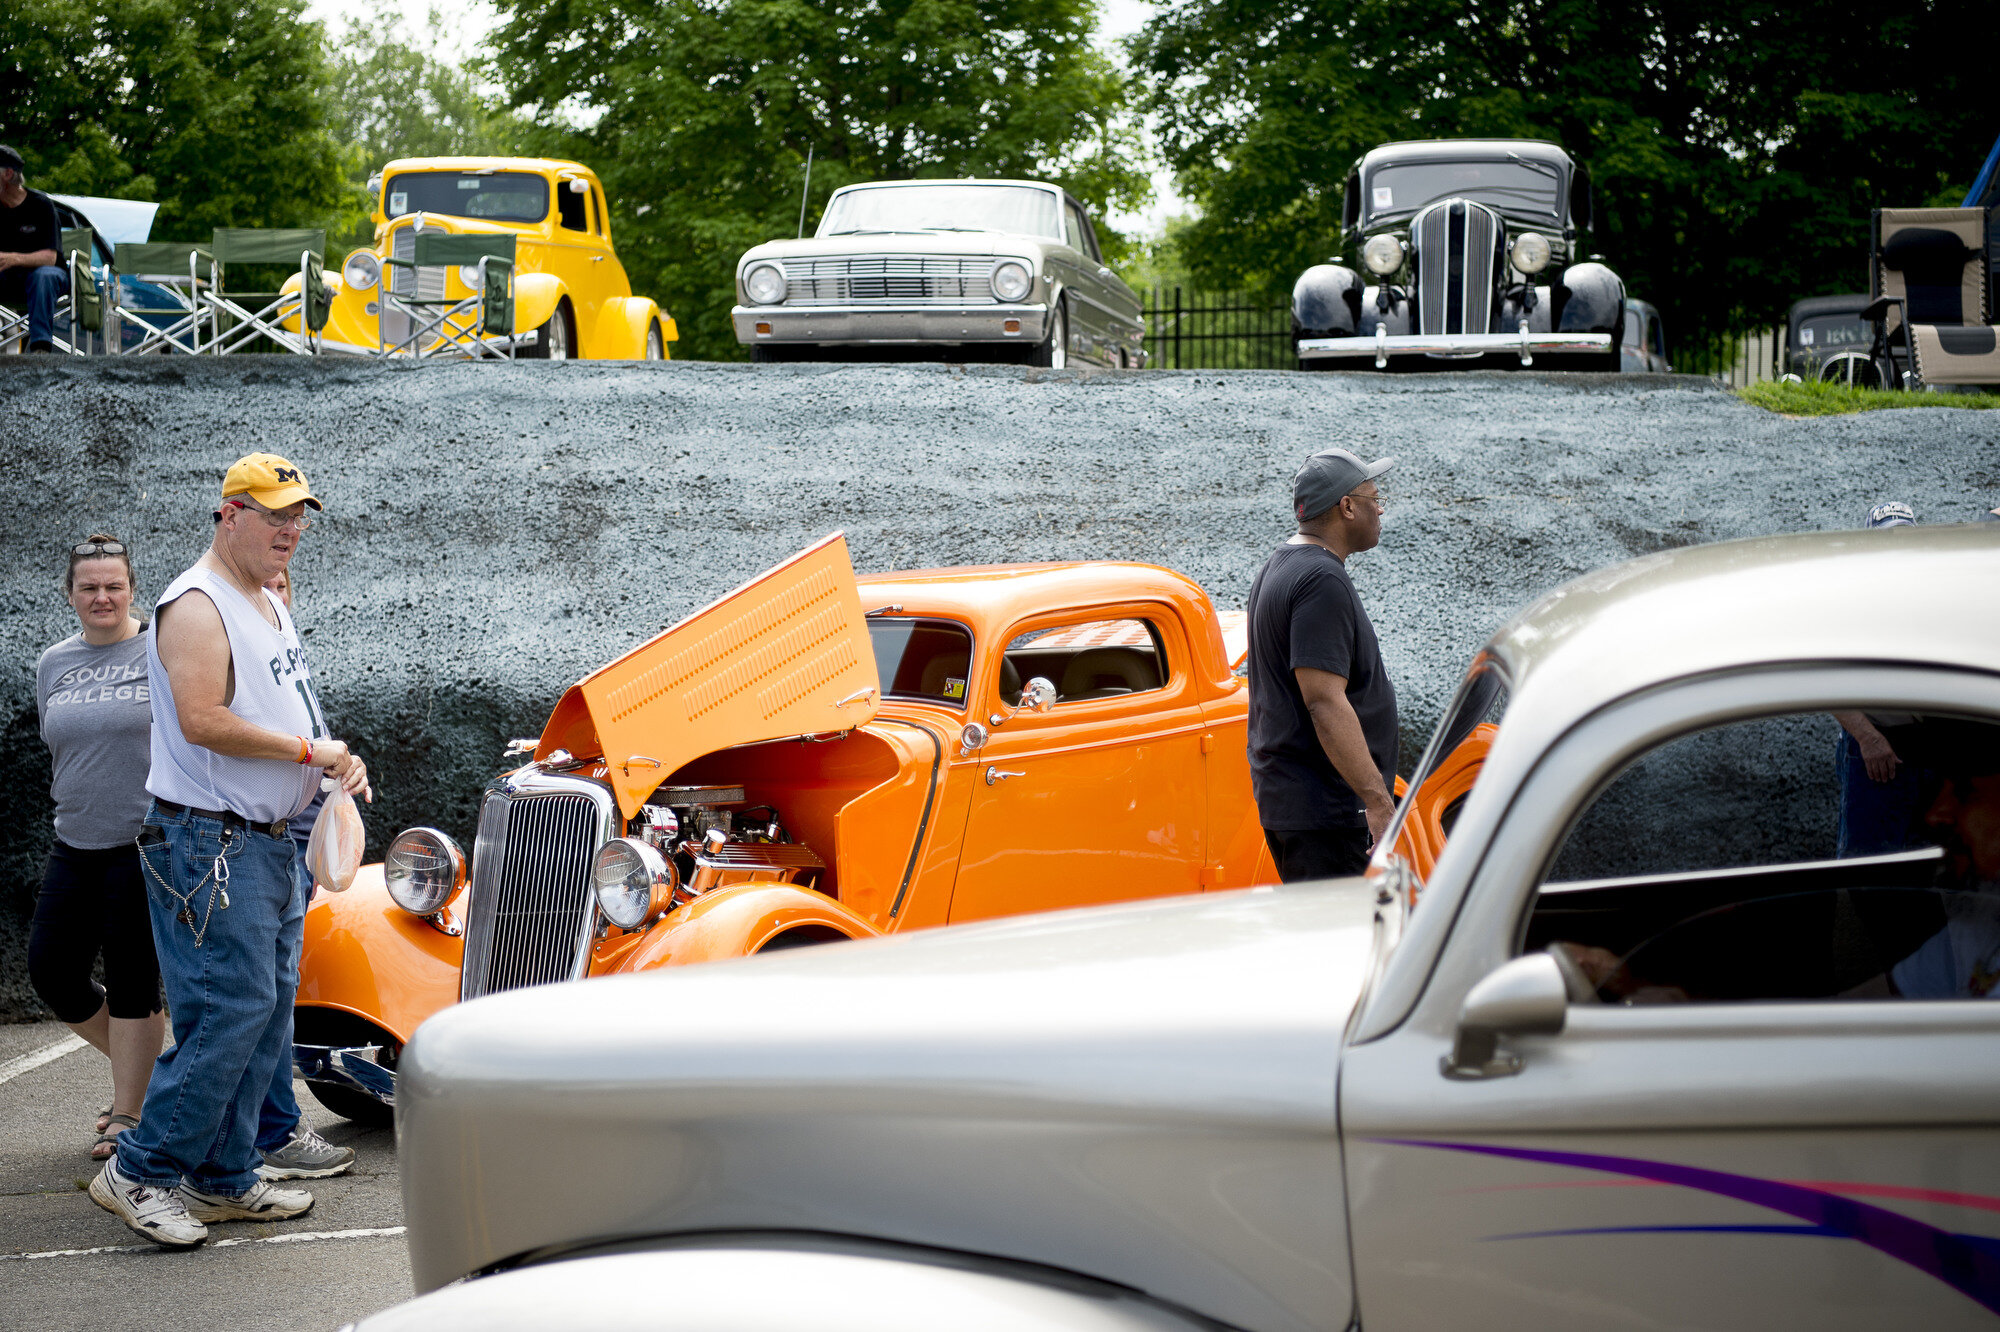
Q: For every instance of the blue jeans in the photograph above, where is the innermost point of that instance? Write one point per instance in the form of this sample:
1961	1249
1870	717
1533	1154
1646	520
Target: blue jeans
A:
1878	818
39	289
231	997
279	1118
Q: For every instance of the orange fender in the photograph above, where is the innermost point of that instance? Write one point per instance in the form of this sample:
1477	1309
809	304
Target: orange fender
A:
366	955
1423	837
728	922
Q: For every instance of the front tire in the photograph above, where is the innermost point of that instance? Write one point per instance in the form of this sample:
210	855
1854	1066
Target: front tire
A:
1053	353
557	340
656	342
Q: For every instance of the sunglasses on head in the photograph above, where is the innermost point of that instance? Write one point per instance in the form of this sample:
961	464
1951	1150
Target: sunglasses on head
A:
98	548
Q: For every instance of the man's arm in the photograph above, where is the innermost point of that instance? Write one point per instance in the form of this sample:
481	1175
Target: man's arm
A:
32	259
194	648
1339	732
1877	755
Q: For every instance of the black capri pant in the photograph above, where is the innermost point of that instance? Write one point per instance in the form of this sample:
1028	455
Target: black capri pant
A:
94	901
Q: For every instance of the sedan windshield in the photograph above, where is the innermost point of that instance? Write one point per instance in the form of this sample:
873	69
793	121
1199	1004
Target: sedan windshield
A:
1016	209
1516	185
497	196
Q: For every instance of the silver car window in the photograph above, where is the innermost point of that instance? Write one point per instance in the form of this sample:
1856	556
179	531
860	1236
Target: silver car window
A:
1015	209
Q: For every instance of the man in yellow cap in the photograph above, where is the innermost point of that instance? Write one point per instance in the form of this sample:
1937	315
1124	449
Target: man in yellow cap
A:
238	748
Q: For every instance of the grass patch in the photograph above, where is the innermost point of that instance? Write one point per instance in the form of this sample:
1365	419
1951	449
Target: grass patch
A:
1837	399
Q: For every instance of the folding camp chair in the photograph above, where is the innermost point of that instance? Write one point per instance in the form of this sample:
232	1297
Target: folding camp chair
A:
1928	268
161	296
419	315
81	312
286	317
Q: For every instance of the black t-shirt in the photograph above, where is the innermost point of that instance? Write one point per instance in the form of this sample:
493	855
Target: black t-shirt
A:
1303	612
30	227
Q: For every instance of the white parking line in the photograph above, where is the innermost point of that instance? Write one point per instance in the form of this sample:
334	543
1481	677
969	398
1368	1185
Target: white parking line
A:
296	1237
15	1067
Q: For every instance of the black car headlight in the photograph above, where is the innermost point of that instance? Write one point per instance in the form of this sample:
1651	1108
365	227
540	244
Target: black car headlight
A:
424	870
765	284
634	882
1530	252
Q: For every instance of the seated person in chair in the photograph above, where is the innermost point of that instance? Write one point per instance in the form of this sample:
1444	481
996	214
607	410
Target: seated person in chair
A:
30	274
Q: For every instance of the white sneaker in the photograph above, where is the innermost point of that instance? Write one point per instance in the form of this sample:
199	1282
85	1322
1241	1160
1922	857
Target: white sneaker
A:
154	1213
262	1201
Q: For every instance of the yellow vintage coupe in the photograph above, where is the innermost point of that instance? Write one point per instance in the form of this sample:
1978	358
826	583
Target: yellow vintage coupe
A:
491	256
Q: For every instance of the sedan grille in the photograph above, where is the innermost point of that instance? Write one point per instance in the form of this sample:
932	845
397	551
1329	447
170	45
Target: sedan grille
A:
902	279
1458	255
531	912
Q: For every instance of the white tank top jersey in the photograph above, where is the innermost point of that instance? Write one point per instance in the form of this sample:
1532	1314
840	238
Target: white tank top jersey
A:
273	690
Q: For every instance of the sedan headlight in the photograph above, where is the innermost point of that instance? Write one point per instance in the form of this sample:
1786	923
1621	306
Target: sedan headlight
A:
634	882
1012	281
1383	255
765	284
362	270
1530	252
424	871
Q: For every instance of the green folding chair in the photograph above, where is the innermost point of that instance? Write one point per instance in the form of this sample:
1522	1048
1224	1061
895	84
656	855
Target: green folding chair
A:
161	294
241	317
83	308
421	317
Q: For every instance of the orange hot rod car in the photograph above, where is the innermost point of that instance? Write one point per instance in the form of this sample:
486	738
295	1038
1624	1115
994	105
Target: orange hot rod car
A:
812	758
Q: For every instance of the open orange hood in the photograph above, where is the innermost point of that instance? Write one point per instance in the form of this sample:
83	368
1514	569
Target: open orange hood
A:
785	654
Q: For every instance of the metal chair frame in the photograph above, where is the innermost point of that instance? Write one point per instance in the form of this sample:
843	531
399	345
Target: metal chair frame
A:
474	327
183	332
269	320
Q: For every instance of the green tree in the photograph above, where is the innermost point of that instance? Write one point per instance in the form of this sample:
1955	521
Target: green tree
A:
216	109
699	115
1736	147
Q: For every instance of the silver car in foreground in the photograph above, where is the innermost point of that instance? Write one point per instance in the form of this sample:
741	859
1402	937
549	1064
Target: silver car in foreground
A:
1010	268
1642	1052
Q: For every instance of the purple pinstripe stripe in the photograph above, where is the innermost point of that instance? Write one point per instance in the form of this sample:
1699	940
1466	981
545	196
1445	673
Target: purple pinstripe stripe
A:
1965	1264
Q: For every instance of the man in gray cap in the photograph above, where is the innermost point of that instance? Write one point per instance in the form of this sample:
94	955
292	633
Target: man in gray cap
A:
30	241
1322	710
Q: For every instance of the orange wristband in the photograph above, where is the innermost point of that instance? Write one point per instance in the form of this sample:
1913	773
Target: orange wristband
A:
305	749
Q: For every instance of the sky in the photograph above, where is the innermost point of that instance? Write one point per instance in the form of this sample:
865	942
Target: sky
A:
468	21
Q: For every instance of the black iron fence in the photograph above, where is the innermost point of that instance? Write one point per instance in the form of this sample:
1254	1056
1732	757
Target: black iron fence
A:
1218	330
1240	330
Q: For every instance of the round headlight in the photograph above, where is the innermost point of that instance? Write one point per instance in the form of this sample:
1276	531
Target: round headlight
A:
362	270
1383	255
1531	252
765	284
469	275
424	871
634	882
1012	281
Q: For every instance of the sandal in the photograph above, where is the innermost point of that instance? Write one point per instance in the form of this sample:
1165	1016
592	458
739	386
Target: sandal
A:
108	1140
103	1119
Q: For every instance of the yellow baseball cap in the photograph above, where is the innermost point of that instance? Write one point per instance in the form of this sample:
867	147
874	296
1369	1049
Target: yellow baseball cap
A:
268	479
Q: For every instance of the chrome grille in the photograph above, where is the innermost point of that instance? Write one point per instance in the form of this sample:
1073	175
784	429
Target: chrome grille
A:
531	912
1458	257
904	279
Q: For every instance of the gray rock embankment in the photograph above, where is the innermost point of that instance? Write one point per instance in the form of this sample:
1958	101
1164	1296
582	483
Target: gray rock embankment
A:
494	531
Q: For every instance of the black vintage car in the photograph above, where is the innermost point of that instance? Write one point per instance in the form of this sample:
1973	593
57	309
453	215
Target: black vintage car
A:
1465	252
1826	338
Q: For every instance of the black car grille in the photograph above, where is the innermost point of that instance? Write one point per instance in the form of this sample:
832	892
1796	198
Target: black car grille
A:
1458	248
890	278
529	919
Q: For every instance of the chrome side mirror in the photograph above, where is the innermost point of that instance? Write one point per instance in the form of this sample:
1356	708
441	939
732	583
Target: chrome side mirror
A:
1526	997
971	740
1037	696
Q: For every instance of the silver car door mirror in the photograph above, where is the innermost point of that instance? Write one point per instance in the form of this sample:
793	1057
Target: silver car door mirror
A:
1038	696
1526	997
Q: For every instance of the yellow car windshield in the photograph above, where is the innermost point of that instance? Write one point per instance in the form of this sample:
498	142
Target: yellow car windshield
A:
495	196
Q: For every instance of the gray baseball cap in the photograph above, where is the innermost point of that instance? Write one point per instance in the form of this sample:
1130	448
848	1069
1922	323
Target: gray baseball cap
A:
1327	476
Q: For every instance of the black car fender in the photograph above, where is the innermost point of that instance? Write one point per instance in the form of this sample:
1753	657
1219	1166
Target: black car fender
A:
1590	298
1326	302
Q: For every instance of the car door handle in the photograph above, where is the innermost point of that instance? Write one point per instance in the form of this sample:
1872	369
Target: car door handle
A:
995	776
596	258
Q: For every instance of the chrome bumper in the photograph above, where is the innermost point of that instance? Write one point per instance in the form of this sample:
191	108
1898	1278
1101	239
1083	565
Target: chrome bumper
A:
887	323
351	1066
1451	345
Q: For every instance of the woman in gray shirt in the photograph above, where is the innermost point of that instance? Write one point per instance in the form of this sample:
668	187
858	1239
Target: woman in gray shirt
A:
96	714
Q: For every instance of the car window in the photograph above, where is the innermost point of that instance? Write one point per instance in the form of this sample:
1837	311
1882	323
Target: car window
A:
1086	239
922	658
1449	769
570	208
1073	229
1822	331
1518	186
1092	660
597	195
1633	337
499	196
1807	856
1656	338
1020	210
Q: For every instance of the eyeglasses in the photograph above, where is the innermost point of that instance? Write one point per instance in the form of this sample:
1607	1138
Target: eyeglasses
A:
98	548
275	520
1380	501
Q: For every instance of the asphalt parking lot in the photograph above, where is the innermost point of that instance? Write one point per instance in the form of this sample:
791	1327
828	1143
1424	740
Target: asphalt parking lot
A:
65	1263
